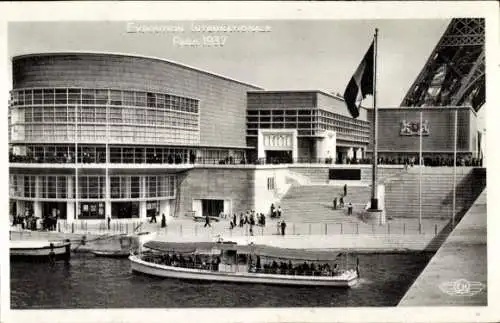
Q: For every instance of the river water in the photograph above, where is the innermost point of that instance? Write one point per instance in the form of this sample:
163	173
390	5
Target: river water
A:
89	282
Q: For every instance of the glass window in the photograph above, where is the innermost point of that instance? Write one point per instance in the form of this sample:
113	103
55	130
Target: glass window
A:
74	96
101	97
135	186
61	96
88	96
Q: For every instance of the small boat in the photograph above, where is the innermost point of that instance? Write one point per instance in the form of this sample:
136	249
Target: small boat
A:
230	262
111	253
40	250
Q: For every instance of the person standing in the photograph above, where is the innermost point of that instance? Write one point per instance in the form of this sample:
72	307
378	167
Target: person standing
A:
335	203
207	221
163	221
153	217
283	227
278	212
345	189
109	223
341	203
234	219
272	211
349	208
241	220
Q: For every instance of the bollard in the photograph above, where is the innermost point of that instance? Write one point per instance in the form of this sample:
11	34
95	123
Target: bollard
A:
341	228
357	228
435	229
309	228
72	228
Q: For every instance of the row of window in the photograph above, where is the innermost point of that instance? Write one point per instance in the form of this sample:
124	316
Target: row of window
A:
125	134
257	120
92	187
301	132
66	114
347	121
97	154
287	112
103	97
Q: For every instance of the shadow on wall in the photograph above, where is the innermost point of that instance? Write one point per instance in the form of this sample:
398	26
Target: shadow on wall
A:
467	190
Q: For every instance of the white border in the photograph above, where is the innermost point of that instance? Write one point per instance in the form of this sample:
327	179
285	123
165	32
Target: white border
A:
119	11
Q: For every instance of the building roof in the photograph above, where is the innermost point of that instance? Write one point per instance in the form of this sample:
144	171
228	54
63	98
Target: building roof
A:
96	53
337	97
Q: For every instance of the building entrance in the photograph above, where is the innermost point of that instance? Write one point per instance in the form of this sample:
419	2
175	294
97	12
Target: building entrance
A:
124	210
279	157
212	207
54	209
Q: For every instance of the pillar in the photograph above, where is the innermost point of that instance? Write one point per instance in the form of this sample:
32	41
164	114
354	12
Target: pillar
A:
350	153
142	211
37	209
37	205
20	207
70	212
260	145
165	208
295	145
359	153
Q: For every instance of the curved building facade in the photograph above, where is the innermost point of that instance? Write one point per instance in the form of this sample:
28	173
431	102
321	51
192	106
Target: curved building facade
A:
105	135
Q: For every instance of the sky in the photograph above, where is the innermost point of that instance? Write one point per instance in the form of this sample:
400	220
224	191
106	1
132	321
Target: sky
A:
291	55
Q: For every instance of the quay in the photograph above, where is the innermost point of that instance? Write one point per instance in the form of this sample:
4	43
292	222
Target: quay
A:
457	274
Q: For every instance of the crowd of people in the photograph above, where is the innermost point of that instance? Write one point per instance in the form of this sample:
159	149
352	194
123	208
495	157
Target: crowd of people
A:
250	218
29	222
206	262
305	268
338	203
184	261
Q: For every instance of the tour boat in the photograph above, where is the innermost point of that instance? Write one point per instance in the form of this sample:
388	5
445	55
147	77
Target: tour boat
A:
40	250
238	264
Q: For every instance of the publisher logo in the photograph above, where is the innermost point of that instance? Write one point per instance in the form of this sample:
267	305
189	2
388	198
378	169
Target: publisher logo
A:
461	287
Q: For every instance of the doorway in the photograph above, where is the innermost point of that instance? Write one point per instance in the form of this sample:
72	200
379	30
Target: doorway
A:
279	157
212	207
54	209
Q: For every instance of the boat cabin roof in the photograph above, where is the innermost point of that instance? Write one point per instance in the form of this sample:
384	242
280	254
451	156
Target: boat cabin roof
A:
261	250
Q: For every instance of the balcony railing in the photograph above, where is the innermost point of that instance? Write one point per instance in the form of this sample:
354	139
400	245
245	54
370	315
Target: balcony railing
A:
179	160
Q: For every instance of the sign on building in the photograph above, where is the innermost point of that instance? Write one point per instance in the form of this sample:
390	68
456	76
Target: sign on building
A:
411	128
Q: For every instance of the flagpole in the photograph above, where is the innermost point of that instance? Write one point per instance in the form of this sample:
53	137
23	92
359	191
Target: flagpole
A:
374	201
76	215
454	169
420	164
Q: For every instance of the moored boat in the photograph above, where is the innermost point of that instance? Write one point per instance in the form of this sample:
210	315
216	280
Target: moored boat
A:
237	263
111	253
40	250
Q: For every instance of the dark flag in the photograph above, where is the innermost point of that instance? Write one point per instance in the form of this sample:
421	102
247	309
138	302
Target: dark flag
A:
361	84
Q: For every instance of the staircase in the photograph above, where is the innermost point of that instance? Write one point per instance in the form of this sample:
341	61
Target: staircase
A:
402	195
314	203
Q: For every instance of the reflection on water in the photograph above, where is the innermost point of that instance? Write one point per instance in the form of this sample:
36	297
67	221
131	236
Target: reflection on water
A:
88	282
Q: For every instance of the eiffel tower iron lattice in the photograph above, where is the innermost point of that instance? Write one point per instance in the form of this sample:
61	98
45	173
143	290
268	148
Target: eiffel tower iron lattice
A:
454	74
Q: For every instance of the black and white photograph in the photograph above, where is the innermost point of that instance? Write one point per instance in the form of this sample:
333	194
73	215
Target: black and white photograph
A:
259	164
